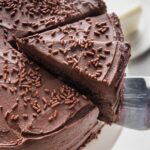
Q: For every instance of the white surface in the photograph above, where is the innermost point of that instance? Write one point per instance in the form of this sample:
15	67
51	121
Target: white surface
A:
133	140
141	40
129	12
106	139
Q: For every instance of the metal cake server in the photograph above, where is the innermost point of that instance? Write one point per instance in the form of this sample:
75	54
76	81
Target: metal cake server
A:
135	112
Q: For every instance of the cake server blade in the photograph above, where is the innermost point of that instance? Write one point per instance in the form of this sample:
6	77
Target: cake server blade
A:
135	112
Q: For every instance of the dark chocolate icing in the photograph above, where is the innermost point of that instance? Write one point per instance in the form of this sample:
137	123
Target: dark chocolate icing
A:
91	53
37	109
25	17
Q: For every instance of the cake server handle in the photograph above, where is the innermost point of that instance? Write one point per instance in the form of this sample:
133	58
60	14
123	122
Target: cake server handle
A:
135	112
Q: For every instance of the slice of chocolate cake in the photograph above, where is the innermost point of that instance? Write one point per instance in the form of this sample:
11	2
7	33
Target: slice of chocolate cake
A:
90	54
26	17
37	110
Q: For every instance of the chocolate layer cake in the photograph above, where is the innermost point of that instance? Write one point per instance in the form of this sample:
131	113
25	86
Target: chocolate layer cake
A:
79	43
39	111
91	54
26	17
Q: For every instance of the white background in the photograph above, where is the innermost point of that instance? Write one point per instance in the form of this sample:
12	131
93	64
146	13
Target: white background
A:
133	140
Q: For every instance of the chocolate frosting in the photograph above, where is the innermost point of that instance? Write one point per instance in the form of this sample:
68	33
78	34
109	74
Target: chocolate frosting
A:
26	17
91	53
35	107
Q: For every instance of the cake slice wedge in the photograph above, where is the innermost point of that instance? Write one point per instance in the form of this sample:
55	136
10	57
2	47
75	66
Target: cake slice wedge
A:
90	54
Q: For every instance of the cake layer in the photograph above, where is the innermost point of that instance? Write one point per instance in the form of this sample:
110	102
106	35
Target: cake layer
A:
37	109
26	17
90	54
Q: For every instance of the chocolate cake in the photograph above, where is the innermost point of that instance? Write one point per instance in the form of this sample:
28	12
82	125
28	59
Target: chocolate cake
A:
91	54
37	110
60	101
26	17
